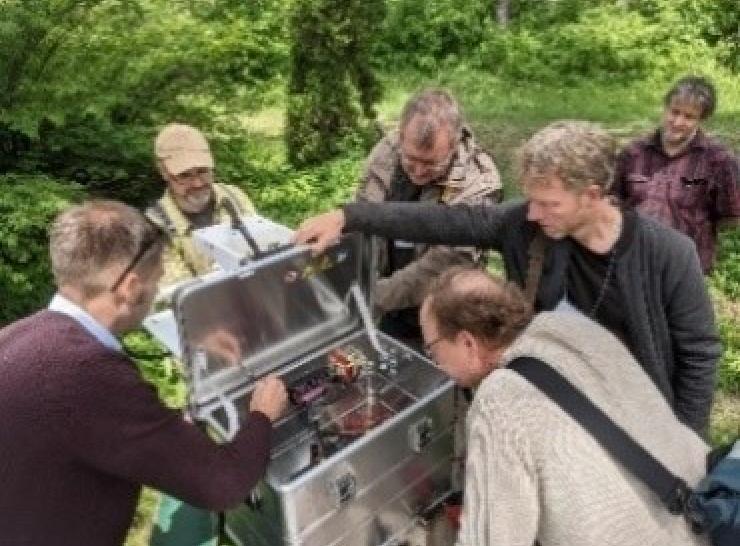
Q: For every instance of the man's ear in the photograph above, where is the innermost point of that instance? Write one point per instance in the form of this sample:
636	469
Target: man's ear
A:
467	340
130	287
591	194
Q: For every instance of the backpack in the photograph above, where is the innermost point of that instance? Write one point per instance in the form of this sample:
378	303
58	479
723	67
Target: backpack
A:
712	508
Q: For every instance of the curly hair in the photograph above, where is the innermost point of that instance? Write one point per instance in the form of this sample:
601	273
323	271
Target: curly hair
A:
470	299
578	152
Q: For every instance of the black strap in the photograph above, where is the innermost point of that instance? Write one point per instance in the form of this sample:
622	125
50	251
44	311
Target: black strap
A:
672	490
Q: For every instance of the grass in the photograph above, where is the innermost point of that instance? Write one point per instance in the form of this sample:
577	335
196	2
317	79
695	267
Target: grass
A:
503	114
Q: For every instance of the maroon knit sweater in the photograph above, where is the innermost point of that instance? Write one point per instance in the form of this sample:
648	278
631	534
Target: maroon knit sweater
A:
80	431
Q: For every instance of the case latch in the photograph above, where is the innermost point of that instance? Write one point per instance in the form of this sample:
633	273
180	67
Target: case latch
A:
343	489
420	434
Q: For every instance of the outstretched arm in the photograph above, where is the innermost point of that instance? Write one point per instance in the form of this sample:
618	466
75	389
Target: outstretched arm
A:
462	225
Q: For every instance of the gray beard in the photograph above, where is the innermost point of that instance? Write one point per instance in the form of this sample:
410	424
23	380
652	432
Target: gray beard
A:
195	203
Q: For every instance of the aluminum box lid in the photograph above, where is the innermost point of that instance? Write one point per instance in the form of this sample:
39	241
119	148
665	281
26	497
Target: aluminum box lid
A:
248	322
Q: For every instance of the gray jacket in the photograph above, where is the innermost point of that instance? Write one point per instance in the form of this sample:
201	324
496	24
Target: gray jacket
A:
670	319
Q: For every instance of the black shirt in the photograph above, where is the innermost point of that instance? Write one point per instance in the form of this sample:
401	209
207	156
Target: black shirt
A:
590	274
402	189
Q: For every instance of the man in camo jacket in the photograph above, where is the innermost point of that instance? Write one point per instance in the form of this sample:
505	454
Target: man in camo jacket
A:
431	157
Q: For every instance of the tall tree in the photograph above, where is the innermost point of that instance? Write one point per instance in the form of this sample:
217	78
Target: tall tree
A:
502	13
332	86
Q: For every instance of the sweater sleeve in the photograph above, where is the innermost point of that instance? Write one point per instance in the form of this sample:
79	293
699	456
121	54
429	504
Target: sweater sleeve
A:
501	504
696	345
120	427
461	225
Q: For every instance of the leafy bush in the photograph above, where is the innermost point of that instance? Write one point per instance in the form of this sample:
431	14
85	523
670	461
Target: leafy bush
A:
278	190
420	34
157	366
726	274
605	43
27	207
84	84
332	88
729	369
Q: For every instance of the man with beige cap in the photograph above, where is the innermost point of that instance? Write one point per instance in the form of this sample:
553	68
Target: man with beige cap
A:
192	199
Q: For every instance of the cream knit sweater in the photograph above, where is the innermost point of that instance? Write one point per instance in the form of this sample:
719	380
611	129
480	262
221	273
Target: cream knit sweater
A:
534	474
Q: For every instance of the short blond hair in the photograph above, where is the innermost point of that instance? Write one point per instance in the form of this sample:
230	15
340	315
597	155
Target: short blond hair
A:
92	242
580	153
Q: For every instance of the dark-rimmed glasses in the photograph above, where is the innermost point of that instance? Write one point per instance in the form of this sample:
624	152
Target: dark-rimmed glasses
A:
189	177
428	165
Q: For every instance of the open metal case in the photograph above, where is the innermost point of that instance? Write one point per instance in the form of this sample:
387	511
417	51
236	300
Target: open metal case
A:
367	443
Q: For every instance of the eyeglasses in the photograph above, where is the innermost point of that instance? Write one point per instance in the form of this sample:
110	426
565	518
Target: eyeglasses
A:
155	236
427	347
431	165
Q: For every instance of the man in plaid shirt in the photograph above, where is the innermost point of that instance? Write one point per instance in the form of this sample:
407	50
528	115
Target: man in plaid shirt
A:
680	176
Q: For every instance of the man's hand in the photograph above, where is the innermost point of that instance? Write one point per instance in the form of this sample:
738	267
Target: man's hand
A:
269	397
320	232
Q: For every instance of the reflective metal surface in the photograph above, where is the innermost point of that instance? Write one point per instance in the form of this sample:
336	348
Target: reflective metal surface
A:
367	443
266	314
335	479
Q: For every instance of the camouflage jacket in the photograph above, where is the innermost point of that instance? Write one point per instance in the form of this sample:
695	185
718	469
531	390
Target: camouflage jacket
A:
472	179
181	258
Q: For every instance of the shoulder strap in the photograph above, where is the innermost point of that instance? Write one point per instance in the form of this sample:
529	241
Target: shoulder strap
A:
536	253
671	490
231	195
158	215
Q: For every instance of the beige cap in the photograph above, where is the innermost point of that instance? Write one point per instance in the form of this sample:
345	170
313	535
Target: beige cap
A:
181	147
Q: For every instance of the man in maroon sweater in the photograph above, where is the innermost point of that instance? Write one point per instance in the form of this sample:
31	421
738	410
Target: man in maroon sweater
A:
80	430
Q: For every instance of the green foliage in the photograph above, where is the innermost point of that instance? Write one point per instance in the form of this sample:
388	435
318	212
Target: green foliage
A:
606	42
565	38
729	369
157	367
84	84
717	22
332	88
280	191
726	273
27	207
420	34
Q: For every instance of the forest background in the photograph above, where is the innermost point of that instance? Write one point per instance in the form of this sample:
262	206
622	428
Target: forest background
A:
292	93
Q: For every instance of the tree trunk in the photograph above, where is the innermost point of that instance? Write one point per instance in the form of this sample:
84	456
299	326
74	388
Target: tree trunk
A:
502	13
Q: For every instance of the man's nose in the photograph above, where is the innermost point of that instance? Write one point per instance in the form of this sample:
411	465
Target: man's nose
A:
680	121
199	182
417	169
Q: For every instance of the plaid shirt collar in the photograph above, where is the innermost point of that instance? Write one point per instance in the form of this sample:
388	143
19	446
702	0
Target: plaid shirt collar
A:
699	142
